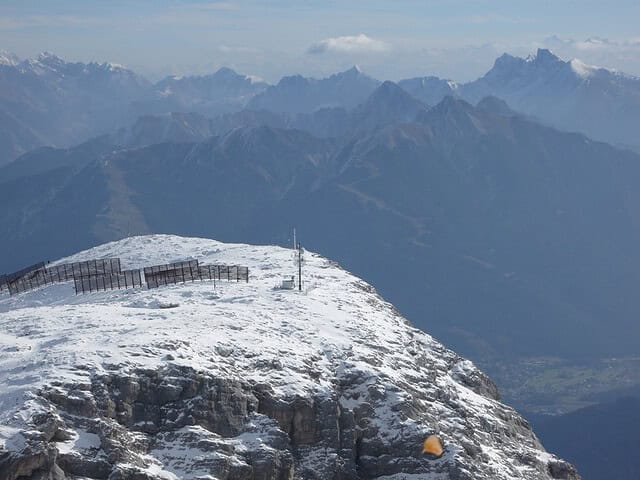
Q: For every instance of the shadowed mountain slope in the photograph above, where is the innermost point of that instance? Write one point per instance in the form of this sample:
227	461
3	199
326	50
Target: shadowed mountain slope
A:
518	238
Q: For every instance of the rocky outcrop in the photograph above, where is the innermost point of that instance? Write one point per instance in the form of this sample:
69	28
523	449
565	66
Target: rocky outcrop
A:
181	420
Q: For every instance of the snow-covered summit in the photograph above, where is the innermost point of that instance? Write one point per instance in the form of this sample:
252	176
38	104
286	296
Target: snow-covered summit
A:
8	59
242	377
50	64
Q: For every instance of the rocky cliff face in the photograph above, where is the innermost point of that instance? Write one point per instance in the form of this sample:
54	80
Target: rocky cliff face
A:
243	382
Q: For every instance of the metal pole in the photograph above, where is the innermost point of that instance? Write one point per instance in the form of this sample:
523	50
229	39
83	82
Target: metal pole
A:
299	267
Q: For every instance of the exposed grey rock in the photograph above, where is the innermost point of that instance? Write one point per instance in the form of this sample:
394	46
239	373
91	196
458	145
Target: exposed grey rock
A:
179	409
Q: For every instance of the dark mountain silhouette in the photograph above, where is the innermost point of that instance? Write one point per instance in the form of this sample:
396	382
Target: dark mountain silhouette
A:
430	90
601	103
387	105
221	92
297	94
500	236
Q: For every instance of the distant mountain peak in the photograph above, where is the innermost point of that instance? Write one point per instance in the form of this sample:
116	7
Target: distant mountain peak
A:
571	95
8	59
389	87
291	80
452	116
493	104
507	62
430	90
355	73
298	94
390	92
452	103
544	55
355	70
388	104
49	58
225	71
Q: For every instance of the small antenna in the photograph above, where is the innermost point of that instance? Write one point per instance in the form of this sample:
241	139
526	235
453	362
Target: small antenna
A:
294	238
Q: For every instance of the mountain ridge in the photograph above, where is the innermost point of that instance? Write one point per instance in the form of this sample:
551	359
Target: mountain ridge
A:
47	108
329	382
454	190
601	103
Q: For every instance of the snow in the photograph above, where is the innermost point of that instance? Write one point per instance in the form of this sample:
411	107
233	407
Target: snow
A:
300	343
114	66
82	440
11	439
8	59
49	331
582	69
254	79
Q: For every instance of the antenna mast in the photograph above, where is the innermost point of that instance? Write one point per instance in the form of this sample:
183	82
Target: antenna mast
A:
299	267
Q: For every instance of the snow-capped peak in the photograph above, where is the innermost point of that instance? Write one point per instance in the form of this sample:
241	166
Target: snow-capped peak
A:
543	56
114	67
254	78
192	378
582	69
353	71
49	58
8	59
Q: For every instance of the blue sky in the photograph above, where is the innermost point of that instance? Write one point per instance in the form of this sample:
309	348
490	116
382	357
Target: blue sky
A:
457	39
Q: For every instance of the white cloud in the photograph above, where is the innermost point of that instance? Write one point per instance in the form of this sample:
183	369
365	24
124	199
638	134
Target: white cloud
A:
349	44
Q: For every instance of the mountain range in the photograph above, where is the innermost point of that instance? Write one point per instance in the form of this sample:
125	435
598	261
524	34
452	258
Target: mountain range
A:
297	94
461	202
601	103
509	239
48	101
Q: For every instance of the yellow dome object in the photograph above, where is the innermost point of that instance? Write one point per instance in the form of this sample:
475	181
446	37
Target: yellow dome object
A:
433	446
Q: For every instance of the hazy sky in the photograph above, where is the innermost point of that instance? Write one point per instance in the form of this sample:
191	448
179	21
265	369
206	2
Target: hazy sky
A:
457	39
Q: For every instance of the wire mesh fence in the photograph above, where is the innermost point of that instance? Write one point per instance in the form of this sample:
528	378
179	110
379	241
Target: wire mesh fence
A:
38	275
106	274
27	279
110	281
190	271
224	272
69	271
179	272
25	271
